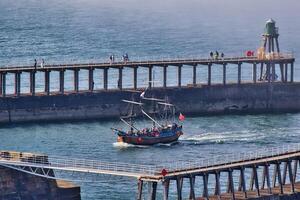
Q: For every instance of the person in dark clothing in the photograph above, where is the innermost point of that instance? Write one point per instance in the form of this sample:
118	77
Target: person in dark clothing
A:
222	55
35	63
211	54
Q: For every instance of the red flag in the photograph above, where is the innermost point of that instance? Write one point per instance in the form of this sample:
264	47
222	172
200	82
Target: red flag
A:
181	117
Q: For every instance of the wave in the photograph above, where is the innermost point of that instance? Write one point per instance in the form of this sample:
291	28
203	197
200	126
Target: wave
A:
222	137
126	145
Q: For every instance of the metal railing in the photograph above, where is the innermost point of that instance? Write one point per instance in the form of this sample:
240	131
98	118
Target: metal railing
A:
151	60
124	169
82	165
233	158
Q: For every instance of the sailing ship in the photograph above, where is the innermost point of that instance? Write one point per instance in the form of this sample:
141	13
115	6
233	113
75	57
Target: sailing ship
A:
164	129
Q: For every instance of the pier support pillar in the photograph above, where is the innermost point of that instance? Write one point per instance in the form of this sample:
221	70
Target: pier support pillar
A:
242	182
192	188
295	170
166	185
281	72
17	83
279	178
209	74
217	185
152	191
3	84
179	75
261	71
179	182
165	76
268	72
61	81
47	82
273	72
91	79
76	80
105	78
254	73
277	174
256	181
267	174
135	77
205	186
120	80
291	178
140	190
224	73
195	74
292	72
286	72
231	184
150	76
284	173
239	73
32	82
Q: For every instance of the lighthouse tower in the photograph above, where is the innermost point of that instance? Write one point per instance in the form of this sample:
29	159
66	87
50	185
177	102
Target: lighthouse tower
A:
270	37
267	50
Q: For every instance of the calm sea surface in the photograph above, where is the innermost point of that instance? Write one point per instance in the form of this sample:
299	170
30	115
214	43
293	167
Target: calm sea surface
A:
90	30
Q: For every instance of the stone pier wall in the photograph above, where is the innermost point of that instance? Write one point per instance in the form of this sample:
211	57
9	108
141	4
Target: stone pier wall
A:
20	185
201	100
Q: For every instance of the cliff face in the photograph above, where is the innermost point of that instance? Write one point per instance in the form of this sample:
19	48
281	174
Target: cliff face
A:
200	100
16	185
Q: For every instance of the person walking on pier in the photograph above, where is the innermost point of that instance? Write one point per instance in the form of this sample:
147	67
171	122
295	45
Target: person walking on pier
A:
222	55
42	63
125	58
217	55
35	63
111	59
211	54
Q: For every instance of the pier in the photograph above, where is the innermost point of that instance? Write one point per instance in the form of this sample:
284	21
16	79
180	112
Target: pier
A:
273	171
284	61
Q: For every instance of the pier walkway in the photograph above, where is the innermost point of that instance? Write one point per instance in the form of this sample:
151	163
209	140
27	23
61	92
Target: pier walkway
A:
267	68
273	171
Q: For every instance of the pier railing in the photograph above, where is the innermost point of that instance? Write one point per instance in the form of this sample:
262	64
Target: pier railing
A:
80	165
148	59
96	166
232	158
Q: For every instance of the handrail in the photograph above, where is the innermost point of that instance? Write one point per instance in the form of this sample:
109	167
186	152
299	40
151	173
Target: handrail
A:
91	166
273	56
233	158
64	163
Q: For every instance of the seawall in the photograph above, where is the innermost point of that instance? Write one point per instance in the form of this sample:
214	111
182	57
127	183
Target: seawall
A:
201	100
15	184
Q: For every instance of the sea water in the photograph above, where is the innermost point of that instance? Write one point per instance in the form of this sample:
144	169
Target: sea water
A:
90	30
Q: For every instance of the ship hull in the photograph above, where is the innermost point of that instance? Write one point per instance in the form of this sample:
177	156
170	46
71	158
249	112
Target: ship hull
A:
144	140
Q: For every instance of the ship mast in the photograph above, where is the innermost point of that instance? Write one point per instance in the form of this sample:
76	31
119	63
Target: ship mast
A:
130	124
153	120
